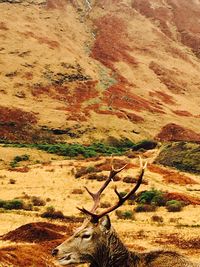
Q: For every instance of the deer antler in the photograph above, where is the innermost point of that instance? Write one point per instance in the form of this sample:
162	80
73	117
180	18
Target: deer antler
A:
96	197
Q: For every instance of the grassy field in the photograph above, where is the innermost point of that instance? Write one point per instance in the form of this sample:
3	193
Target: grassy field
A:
59	183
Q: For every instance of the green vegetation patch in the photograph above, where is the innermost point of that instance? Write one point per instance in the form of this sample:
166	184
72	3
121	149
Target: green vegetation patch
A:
145	208
14	204
125	215
174	205
144	145
149	200
183	156
152	197
17	159
51	213
87	151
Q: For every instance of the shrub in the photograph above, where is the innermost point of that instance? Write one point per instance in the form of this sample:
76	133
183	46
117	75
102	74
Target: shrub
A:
27	206
80	172
101	177
21	158
38	201
85	170
105	149
146	197
50	209
174	205
131	201
2	202
51	213
156	218
132	180
129	180
159	200
144	145
152	196
123	193
13	164
77	191
145	208
70	150
105	205
97	177
127	214
116	178
12	181
17	159
123	143
90	169
86	151
14	204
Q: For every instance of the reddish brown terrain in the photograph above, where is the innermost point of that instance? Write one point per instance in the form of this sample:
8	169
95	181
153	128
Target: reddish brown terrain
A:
115	68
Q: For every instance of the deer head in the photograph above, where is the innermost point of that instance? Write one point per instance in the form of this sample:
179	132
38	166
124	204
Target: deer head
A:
96	238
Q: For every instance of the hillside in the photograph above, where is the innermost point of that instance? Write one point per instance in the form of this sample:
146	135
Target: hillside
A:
81	81
81	71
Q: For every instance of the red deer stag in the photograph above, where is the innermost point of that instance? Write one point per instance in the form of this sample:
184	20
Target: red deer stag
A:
97	243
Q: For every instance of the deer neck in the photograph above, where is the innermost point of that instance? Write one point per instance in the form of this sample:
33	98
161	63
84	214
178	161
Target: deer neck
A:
112	253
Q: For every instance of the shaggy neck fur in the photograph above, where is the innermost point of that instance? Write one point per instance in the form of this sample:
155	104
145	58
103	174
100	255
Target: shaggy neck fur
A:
112	253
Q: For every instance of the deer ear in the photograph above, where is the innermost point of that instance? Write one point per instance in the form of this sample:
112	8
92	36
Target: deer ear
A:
105	223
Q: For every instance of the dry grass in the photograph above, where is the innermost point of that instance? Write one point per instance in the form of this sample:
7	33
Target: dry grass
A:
134	84
65	193
28	81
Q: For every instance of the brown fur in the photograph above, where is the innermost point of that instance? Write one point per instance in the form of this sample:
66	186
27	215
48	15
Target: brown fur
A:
103	248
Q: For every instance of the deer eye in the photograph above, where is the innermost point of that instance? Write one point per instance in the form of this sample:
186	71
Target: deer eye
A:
86	236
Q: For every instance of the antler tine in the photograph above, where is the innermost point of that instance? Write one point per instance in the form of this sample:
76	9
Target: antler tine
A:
96	196
114	171
142	166
121	200
139	181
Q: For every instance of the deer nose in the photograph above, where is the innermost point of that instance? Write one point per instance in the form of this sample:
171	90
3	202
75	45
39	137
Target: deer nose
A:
54	252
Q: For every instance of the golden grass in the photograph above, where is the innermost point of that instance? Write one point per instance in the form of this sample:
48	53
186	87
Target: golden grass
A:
56	181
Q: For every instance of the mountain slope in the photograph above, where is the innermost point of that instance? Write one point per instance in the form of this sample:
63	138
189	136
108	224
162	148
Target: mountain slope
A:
84	70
